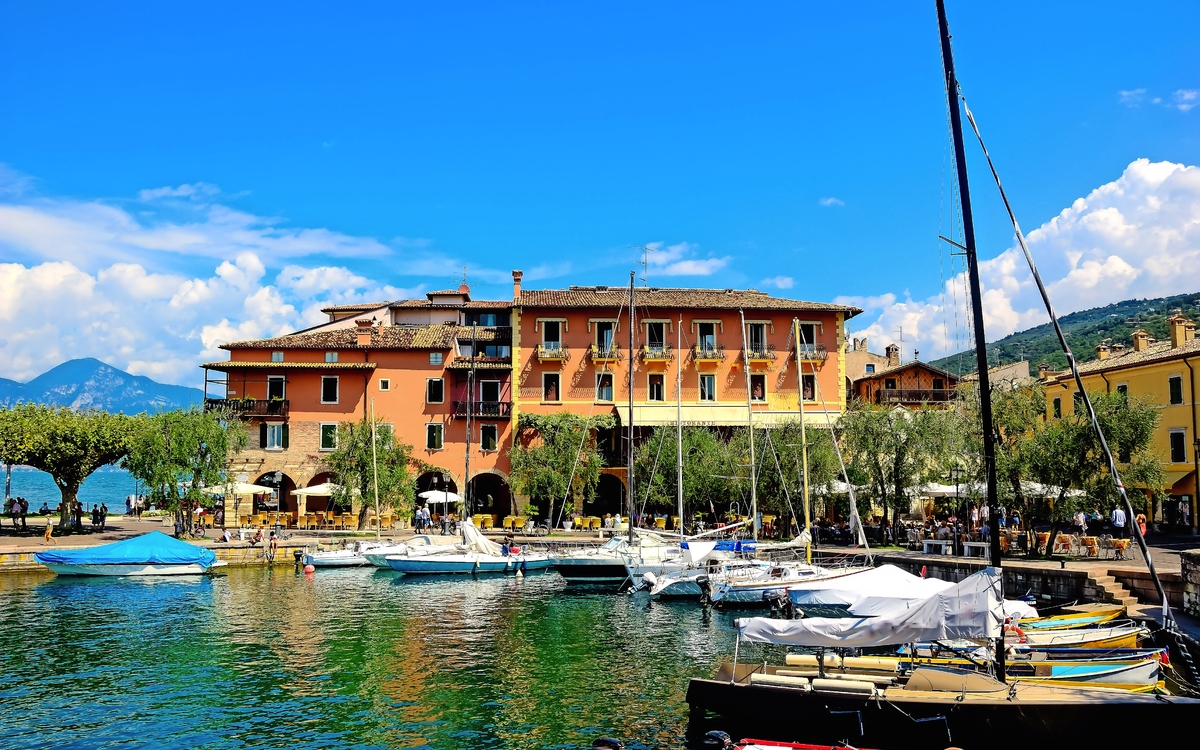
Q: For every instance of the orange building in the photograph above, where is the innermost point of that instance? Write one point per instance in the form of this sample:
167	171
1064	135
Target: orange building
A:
544	351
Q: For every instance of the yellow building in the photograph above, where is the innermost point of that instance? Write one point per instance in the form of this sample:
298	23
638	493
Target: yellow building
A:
1164	371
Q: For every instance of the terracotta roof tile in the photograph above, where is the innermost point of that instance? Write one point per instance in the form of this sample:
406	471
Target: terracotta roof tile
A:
712	299
1156	352
485	304
352	308
242	365
439	336
910	363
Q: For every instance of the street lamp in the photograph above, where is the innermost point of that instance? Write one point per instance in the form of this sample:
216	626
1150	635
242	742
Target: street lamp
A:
955	475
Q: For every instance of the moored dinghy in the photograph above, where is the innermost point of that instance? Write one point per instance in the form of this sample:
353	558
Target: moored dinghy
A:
153	554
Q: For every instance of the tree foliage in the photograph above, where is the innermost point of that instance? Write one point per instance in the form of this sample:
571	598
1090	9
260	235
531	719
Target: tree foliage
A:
355	465
556	456
178	453
66	444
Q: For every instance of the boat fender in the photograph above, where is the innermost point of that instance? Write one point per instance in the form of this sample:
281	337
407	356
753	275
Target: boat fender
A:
717	739
309	569
1016	630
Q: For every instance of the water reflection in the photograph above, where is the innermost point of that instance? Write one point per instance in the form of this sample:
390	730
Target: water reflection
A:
353	657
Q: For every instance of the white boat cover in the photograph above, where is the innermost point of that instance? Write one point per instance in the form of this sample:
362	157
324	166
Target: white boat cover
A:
697	550
475	541
870	592
968	609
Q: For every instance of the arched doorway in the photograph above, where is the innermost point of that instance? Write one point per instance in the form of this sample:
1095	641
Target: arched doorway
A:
609	498
436	480
283	484
491	495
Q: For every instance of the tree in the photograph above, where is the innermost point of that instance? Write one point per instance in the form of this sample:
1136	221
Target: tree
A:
897	448
706	464
178	453
356	466
557	456
66	444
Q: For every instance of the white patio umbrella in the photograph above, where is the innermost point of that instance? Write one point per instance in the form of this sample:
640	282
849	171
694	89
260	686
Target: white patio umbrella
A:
238	488
324	489
439	497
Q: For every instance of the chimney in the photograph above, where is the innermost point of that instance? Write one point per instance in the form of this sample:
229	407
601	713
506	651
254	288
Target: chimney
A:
1141	340
1178	325
1043	371
893	355
1102	351
1118	349
364	331
1189	331
517	285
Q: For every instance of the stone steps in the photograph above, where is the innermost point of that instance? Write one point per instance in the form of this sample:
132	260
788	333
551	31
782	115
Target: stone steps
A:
1112	592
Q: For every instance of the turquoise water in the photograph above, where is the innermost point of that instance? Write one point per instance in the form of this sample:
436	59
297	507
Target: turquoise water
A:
108	485
353	658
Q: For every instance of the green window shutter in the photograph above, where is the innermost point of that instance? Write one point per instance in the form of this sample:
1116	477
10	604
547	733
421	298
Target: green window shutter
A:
285	437
262	435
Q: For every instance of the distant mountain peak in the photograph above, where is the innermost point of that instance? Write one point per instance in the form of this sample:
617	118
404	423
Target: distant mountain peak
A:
88	383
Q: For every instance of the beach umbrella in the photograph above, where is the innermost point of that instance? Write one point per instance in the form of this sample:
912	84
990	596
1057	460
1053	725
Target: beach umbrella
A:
438	497
324	489
238	488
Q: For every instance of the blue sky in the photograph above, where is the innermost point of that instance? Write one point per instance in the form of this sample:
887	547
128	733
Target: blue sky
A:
181	175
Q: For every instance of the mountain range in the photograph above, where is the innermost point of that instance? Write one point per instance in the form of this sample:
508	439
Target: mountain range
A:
1085	330
91	384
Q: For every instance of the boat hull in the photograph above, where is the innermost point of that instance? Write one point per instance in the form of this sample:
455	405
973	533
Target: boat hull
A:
606	571
458	565
344	561
924	720
135	569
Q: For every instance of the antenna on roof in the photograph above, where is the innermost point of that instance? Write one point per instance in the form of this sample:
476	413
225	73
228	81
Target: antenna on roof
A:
645	262
900	331
464	276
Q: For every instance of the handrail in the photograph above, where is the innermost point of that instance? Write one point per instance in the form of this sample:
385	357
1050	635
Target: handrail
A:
249	407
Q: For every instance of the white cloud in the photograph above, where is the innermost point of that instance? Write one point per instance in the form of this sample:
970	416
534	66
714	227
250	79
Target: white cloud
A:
1133	97
676	260
831	201
1137	236
779	282
1185	99
197	191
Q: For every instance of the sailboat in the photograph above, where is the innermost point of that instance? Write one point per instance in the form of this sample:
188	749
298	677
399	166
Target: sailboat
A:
940	704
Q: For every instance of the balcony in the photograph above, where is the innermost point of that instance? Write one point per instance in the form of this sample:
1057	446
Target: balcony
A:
660	353
813	353
248	407
483	409
708	353
553	352
914	395
606	353
759	353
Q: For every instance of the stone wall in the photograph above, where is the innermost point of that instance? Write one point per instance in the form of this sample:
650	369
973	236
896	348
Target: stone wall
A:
1189	561
1141	585
1019	579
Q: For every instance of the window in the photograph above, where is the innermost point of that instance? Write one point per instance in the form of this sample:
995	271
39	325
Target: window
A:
604	335
655	336
276	356
435	358
870	369
551	335
276	387
435	391
889	384
482	319
488	437
1057	408
329	436
758	387
1123	389
1178	449
808	339
489	391
1176	383
385	384
274	436
329	389
550	381
1077	397
939	384
708	387
707	336
810	387
331	356
655	389
604	386
433	436
758	337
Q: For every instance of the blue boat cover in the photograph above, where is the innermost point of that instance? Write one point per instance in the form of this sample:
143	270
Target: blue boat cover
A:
729	545
154	548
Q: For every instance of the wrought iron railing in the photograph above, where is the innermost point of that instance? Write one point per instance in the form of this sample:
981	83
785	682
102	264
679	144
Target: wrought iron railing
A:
606	351
553	351
759	352
813	353
714	352
484	409
661	353
248	407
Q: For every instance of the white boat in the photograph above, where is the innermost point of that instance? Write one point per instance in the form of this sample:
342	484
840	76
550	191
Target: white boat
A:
421	544
476	554
690	583
617	561
757	587
153	554
351	556
869	591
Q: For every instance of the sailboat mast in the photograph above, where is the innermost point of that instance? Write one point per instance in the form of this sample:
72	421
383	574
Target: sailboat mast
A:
629	445
375	470
985	388
803	435
679	422
750	425
470	509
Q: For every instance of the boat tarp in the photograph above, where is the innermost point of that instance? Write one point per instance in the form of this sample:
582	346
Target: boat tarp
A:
155	548
474	540
871	592
968	609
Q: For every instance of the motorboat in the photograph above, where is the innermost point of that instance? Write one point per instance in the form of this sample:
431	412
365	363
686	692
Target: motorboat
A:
1121	636
351	555
421	544
863	592
757	587
618	561
476	554
692	583
152	554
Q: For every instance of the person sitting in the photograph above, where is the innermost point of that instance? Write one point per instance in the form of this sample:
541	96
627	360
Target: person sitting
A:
258	537
226	536
44	510
507	545
943	532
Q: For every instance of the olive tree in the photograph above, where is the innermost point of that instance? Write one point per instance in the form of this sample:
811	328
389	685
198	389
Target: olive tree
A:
556	456
358	467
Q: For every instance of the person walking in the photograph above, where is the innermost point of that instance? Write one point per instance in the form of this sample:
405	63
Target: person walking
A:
103	516
48	537
23	508
1119	521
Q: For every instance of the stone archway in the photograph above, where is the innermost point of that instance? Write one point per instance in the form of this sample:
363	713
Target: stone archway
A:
609	498
285	485
491	494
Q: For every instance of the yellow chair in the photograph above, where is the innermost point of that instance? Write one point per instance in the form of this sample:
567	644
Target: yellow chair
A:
595	523
387	521
243	520
660	524
488	522
1091	546
1043	538
518	523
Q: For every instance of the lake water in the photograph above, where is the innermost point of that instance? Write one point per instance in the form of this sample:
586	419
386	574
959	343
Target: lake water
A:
345	659
108	485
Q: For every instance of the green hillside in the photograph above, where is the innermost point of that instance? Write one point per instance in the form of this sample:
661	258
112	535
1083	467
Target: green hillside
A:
1113	323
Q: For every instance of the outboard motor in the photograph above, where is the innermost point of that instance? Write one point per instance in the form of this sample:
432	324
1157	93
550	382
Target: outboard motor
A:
705	590
608	743
781	603
717	739
298	555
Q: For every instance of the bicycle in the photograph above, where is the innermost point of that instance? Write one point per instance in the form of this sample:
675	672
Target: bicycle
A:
536	529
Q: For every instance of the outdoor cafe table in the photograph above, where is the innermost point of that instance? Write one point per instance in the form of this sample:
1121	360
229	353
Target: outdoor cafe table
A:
942	546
